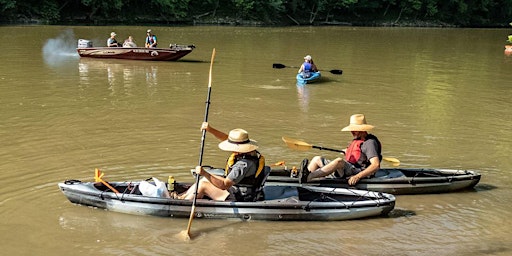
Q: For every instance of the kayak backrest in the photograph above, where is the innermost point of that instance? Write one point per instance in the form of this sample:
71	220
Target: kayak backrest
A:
259	193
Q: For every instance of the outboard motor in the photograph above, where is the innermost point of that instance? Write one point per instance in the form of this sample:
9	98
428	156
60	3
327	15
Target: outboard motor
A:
82	43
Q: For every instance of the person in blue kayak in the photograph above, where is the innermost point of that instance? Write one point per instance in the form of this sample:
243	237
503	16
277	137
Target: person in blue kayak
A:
307	67
362	156
244	173
150	40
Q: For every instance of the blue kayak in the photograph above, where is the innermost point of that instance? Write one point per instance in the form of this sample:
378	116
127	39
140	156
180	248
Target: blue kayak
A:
315	76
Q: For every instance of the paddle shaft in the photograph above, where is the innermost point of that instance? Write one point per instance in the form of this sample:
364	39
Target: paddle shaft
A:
389	159
329	149
279	66
203	137
297	144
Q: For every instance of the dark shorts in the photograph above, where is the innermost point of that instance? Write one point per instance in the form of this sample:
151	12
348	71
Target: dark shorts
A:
239	194
348	168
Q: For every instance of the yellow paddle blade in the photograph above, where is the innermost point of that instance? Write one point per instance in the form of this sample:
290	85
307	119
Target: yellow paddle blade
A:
98	175
297	144
394	161
280	163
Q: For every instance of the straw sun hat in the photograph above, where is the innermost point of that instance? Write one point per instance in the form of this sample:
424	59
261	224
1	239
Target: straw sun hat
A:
358	123
113	34
238	141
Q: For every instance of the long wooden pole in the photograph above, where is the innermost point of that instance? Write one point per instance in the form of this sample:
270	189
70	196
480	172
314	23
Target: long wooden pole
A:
192	211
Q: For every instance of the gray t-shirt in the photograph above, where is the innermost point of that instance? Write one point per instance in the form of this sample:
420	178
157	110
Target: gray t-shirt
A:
241	169
369	150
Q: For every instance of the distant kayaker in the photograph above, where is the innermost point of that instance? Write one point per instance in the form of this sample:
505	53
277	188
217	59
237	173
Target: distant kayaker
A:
112	42
362	157
150	40
244	170
307	67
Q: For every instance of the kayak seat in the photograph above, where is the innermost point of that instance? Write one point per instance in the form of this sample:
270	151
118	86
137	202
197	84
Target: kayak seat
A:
260	192
388	174
280	192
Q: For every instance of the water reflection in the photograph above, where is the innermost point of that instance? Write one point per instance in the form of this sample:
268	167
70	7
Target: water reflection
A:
121	75
303	96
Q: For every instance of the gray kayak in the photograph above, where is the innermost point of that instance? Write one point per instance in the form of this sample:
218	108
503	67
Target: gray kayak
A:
280	203
397	181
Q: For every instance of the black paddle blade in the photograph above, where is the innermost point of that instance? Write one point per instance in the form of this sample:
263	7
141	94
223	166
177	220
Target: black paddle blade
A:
336	71
278	65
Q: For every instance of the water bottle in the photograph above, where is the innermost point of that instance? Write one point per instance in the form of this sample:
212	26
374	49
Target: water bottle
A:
293	172
170	183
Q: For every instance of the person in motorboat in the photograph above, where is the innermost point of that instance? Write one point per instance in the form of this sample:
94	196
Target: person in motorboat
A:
362	157
307	67
244	170
129	42
150	40
111	41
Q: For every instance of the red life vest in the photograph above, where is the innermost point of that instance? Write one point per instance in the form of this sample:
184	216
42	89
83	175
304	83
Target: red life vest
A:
353	153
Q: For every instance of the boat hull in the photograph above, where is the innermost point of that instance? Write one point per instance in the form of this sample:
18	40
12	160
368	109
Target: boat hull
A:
397	181
282	203
315	76
136	53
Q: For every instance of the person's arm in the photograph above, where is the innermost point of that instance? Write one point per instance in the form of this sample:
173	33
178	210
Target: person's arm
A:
301	69
218	134
373	168
217	181
154	42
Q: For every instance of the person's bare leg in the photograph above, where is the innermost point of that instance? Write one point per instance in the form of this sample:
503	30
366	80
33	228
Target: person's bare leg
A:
327	169
206	188
315	163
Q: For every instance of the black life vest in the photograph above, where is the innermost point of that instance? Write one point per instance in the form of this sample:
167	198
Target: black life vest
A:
251	183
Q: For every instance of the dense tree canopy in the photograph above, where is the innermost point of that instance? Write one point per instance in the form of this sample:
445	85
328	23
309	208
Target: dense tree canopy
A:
474	13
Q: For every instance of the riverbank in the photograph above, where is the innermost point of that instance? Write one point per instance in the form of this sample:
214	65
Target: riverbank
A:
250	23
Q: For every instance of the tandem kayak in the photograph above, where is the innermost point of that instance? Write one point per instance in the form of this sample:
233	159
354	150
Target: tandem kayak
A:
398	181
280	203
315	76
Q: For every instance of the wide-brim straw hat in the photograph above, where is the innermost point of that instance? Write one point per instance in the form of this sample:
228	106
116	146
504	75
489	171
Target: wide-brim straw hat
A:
238	141
358	123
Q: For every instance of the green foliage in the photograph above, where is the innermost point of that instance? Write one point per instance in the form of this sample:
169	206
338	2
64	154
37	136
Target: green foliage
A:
298	12
6	5
173	8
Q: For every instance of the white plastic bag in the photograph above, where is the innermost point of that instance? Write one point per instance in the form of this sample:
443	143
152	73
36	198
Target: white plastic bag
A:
154	190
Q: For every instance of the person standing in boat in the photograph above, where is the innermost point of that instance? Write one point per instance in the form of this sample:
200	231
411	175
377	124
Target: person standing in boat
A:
129	42
307	67
150	40
362	157
112	42
244	171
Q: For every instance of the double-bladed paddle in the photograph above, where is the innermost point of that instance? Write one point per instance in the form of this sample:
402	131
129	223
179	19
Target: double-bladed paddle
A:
304	146
279	66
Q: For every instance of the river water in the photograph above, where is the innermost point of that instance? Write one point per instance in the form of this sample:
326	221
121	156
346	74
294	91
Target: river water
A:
438	97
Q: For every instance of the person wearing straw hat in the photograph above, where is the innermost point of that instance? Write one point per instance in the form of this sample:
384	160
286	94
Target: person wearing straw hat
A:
362	156
243	173
150	39
111	41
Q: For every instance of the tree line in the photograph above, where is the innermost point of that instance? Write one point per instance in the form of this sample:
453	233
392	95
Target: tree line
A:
463	13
